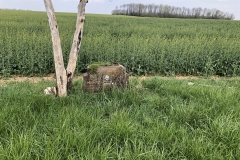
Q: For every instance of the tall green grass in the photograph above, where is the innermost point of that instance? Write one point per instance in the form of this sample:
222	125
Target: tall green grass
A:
143	45
155	118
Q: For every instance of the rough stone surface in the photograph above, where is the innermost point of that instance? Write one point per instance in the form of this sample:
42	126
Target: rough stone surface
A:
105	78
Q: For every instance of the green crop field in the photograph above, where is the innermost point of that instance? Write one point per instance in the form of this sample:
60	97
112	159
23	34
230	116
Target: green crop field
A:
149	46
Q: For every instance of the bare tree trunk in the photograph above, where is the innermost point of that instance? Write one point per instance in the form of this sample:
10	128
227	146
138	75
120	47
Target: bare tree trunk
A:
72	62
64	77
61	89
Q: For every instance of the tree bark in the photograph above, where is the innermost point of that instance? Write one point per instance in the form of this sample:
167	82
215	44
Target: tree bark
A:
72	62
64	76
61	89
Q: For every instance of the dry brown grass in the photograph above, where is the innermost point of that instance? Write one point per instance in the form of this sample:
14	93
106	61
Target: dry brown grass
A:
49	77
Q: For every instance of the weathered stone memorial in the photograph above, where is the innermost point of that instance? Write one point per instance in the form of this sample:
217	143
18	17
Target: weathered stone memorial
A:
103	76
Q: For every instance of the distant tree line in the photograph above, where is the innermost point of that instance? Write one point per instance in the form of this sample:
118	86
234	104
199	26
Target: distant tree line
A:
167	11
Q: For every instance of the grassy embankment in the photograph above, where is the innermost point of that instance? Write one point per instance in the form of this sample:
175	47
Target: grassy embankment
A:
155	118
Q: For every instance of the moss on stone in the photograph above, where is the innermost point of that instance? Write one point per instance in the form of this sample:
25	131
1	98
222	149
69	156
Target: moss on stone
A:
93	67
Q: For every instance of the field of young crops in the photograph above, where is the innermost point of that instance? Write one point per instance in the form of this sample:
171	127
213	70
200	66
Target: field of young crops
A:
143	45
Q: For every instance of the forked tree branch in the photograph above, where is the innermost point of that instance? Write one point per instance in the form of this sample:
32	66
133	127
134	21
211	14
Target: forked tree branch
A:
72	62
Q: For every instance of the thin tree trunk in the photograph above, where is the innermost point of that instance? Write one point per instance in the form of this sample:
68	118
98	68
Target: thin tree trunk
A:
72	62
64	77
61	77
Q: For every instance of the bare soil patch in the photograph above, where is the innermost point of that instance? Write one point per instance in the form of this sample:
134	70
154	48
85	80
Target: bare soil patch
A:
187	77
49	77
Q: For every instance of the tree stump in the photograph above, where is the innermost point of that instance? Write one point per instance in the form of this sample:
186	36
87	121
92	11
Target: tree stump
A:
103	76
